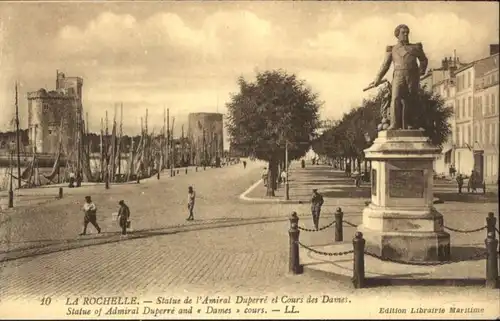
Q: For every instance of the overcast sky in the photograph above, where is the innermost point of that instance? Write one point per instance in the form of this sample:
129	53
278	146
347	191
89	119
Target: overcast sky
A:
186	56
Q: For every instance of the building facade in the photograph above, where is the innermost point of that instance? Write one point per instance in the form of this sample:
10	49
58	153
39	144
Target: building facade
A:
486	119
443	82
55	116
205	133
464	140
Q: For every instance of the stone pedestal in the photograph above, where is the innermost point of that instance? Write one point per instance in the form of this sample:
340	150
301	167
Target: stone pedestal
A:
401	222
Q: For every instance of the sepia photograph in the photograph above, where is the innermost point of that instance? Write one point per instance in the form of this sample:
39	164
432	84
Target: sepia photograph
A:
249	160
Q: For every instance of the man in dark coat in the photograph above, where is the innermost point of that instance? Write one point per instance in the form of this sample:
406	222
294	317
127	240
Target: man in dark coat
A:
123	216
316	203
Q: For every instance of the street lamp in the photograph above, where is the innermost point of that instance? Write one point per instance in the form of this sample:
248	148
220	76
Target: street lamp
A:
287	187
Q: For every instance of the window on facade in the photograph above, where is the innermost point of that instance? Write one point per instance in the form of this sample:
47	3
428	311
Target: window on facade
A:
463	108
459	141
493	104
491	138
458	83
476	130
457	109
487	104
468	80
495	134
469	106
480	138
469	135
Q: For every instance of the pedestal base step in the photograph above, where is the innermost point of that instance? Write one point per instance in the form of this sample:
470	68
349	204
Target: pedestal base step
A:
408	246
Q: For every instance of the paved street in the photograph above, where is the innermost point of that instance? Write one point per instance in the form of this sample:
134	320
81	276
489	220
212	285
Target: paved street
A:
232	247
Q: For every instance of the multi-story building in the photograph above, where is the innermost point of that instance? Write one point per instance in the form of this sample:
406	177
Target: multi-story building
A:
486	118
446	89
442	81
472	90
464	104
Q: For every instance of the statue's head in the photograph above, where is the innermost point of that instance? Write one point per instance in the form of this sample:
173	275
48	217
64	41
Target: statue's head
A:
402	32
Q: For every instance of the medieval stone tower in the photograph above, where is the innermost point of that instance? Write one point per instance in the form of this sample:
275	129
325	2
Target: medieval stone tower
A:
55	114
205	133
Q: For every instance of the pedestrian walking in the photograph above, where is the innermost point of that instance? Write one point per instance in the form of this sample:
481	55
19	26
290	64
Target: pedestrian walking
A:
460	182
283	176
357	178
264	176
244	164
316	203
124	216
191	199
90	215
71	180
473	179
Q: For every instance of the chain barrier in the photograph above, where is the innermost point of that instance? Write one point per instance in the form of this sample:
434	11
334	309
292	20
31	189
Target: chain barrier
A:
476	256
325	253
315	230
349	223
465	231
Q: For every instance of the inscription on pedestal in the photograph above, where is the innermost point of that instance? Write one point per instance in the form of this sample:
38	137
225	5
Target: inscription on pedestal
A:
406	183
374	182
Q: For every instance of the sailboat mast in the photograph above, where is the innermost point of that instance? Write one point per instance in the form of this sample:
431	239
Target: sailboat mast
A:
106	151
78	137
101	149
167	146
18	144
172	147
182	144
120	141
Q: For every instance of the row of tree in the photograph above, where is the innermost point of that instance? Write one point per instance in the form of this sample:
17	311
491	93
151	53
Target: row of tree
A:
346	140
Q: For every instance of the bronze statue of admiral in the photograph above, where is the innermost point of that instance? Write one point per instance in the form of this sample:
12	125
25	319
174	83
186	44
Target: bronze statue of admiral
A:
406	78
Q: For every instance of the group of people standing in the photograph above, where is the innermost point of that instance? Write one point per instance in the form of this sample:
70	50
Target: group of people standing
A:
280	179
75	179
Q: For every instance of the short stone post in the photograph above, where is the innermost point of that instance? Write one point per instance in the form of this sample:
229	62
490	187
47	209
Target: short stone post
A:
196	168
491	261
491	223
204	168
60	192
186	170
293	232
358	278
339	232
177	171
11	199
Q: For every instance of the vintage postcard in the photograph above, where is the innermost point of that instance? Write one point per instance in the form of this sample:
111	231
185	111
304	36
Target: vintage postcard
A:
249	160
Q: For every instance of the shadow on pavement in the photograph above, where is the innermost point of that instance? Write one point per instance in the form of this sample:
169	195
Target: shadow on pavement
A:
467	253
350	192
378	282
489	197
